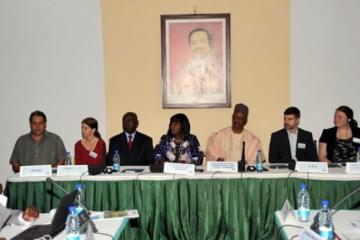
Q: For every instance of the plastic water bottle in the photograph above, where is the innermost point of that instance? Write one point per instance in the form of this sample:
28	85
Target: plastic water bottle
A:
303	203
259	164
326	229
72	228
358	155
80	198
116	161
68	158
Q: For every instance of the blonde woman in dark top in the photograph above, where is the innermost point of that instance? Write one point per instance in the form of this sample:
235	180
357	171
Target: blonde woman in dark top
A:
339	144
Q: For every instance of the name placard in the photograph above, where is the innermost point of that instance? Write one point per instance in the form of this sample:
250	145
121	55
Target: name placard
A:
308	234
312	167
71	170
287	213
214	166
179	168
35	171
352	167
3	200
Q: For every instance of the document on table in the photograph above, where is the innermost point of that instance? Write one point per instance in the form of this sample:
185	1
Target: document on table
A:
353	233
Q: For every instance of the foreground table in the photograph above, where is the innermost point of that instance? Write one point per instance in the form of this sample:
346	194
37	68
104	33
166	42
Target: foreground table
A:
204	206
111	227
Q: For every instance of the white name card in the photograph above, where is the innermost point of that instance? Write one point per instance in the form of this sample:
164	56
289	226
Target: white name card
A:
352	167
3	200
308	234
287	213
71	170
35	171
214	166
179	168
312	167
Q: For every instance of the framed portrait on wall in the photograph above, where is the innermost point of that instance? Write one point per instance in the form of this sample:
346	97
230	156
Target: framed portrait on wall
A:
196	60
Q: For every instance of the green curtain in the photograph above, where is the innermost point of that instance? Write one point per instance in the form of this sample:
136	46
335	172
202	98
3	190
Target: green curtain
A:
190	209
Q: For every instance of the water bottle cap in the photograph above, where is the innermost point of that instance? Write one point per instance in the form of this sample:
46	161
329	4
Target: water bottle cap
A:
79	186
72	209
325	202
303	186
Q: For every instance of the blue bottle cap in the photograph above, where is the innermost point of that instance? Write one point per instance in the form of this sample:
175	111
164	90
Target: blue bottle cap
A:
72	209
303	186
79	186
325	202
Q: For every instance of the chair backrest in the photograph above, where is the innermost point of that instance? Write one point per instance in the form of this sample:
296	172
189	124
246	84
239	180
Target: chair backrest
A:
315	145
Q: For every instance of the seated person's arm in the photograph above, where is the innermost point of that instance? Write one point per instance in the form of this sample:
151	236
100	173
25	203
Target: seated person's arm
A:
251	151
323	153
195	151
15	157
59	153
15	167
212	149
160	152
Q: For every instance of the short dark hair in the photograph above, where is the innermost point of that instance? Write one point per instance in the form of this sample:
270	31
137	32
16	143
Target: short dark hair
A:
38	114
200	30
130	114
292	111
184	122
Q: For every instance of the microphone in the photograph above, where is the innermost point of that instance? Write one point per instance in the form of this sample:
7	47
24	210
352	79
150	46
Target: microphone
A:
241	163
87	211
315	224
292	164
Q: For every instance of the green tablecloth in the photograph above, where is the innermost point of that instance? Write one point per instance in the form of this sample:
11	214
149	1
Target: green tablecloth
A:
190	208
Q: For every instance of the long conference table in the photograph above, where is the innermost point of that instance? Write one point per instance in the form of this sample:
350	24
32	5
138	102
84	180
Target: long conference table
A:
207	205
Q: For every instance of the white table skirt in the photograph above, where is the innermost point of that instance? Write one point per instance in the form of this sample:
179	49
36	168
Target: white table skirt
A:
337	174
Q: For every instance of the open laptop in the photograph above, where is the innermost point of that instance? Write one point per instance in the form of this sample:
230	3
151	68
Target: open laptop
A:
57	224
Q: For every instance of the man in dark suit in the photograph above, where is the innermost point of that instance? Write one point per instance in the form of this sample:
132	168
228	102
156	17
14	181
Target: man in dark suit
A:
292	142
134	147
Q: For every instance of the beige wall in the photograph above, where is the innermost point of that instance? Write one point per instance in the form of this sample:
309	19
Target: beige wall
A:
259	64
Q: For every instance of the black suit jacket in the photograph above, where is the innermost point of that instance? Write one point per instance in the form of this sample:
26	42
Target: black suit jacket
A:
280	152
141	152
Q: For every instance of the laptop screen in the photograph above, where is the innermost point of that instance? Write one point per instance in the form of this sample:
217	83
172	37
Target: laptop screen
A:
62	211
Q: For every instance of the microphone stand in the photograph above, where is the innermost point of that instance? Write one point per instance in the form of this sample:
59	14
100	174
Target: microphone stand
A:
87	211
241	163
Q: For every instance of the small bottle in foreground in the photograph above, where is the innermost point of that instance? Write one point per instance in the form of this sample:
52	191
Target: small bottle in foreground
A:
72	228
326	229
